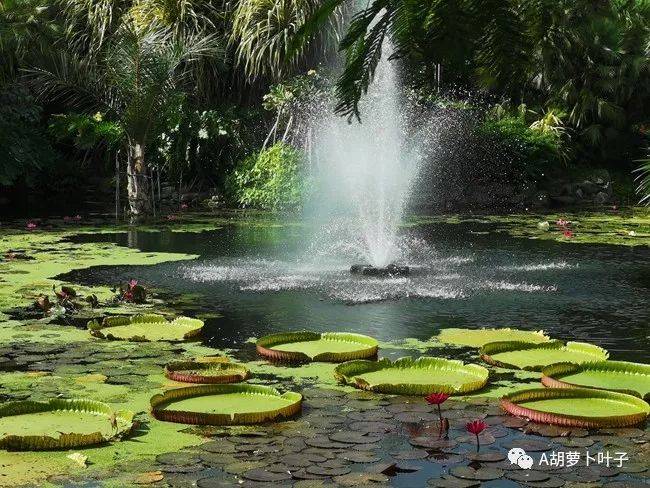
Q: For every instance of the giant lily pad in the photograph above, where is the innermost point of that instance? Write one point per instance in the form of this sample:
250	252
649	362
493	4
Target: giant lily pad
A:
577	407
413	377
147	327
224	404
533	357
206	372
631	378
480	337
310	346
60	424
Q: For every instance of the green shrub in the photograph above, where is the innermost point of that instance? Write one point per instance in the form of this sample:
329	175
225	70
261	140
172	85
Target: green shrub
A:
533	150
270	179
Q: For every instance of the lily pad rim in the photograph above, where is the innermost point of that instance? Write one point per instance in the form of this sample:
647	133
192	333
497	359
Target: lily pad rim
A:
265	346
509	403
349	372
160	401
174	370
488	350
540	333
102	330
552	374
65	440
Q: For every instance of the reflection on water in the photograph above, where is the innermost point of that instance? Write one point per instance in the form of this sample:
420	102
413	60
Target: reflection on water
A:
252	277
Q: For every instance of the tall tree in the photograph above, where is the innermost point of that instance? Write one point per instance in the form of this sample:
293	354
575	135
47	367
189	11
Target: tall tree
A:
135	78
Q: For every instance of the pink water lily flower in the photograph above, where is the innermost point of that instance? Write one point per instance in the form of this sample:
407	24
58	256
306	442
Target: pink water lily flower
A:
133	284
31	225
476	427
184	206
568	234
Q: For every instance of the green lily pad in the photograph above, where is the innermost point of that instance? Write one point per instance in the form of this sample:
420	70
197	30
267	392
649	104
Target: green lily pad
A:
306	346
413	377
623	376
147	327
206	372
60	424
577	407
234	404
534	357
480	337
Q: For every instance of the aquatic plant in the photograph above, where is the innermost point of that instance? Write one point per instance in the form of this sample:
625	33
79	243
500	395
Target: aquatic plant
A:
406	376
233	404
437	399
146	327
132	292
206	372
28	425
304	346
577	407
621	376
476	427
533	357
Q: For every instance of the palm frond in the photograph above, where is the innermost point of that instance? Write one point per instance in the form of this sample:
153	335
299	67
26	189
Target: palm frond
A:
643	179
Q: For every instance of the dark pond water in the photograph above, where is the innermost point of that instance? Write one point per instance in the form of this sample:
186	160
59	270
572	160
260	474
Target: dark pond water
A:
260	280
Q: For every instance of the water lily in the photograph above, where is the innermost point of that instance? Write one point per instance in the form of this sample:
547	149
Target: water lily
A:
184	206
133	283
171	217
562	223
77	217
568	234
476	427
31	225
438	399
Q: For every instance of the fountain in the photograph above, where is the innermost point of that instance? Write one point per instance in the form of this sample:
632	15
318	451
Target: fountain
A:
362	175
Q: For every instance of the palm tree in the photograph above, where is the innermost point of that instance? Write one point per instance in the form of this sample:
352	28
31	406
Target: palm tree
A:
136	78
263	32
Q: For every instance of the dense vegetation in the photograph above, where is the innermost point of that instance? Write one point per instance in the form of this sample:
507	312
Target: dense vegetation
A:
195	94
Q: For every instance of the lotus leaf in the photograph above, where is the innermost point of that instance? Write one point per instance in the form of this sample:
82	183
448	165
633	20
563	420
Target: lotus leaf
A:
631	378
413	377
206	372
60	424
235	404
533	357
147	327
480	337
311	346
577	407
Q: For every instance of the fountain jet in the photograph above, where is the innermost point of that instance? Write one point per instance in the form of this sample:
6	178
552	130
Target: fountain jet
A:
362	175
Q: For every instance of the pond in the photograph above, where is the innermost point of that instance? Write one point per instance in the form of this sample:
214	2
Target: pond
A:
264	279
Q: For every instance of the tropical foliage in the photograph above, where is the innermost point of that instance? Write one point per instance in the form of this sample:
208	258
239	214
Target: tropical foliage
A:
143	90
269	179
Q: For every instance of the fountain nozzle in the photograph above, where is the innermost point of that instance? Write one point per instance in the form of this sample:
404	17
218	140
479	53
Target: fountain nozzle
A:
387	271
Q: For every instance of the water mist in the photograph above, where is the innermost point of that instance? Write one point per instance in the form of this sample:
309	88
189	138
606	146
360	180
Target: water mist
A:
362	175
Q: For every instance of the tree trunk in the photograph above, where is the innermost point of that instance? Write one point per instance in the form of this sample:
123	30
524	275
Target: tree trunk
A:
138	183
